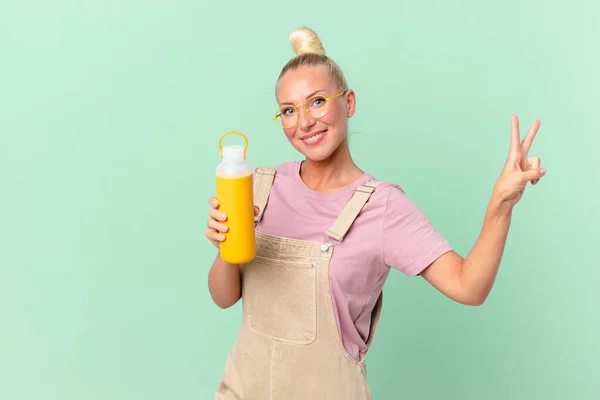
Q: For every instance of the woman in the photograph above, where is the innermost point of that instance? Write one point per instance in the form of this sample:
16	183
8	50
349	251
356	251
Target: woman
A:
328	234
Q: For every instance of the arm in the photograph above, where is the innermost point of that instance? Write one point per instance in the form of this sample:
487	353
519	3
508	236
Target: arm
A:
470	280
224	279
224	282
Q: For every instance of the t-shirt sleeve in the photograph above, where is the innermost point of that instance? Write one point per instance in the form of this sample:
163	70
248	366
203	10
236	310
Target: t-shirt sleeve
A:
410	242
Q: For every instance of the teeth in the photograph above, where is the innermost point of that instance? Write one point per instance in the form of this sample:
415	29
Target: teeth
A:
313	138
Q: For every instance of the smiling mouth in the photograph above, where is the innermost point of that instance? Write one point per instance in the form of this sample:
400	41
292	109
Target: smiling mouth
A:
314	137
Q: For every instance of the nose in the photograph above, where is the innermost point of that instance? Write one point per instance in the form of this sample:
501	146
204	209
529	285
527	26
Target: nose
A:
305	121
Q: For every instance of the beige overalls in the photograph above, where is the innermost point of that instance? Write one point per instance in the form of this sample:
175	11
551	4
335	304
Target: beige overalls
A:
288	347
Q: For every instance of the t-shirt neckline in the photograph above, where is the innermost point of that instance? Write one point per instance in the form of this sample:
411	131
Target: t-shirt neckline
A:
345	190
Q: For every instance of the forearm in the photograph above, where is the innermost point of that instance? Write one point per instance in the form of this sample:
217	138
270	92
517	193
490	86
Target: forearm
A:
479	269
224	282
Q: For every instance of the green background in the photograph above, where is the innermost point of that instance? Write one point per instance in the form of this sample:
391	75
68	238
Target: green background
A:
110	113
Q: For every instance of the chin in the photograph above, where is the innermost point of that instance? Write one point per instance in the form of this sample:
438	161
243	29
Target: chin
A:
316	154
315	158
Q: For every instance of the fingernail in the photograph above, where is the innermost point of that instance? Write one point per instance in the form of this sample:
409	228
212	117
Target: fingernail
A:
543	171
222	217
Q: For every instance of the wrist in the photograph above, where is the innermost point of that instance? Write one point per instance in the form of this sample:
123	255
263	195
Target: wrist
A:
498	210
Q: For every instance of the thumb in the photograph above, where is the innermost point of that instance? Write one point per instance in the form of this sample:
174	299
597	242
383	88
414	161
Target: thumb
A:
535	173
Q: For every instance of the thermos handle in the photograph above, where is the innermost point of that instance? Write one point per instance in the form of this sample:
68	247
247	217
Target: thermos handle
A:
232	133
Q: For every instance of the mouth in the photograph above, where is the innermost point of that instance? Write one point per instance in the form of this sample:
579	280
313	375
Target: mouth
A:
314	138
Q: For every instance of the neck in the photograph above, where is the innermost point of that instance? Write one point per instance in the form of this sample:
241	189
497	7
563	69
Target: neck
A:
337	171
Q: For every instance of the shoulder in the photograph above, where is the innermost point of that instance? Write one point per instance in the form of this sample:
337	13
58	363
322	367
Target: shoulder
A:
283	169
388	192
287	168
391	202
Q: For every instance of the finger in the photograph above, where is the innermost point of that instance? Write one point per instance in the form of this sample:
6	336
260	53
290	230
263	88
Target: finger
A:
214	202
212	224
532	174
529	137
535	164
214	236
256	211
216	214
515	139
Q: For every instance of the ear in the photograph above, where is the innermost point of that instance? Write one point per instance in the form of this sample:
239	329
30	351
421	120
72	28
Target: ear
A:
351	103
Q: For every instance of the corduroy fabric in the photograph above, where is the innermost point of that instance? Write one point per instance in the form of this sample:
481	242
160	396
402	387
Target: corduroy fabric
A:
288	347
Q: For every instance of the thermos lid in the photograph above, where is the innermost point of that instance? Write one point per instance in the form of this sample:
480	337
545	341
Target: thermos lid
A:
233	154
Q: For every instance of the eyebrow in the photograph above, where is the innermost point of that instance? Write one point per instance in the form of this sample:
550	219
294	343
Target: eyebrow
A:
312	94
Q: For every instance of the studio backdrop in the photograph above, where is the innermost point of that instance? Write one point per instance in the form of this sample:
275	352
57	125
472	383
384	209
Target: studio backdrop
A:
110	113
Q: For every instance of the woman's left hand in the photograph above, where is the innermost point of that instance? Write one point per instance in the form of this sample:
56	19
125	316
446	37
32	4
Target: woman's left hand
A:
519	168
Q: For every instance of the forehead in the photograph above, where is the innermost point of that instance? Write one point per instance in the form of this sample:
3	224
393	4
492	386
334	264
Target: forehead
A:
296	84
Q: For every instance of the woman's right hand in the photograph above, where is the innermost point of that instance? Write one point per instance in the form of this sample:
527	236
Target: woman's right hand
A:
216	225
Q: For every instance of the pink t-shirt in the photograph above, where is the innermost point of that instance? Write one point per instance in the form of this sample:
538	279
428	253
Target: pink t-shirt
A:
390	232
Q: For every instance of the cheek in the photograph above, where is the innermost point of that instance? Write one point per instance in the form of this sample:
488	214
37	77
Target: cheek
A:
335	117
289	133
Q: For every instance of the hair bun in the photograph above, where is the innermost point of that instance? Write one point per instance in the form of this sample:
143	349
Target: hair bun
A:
305	41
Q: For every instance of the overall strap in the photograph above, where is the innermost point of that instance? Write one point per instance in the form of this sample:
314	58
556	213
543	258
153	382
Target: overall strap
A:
263	180
344	221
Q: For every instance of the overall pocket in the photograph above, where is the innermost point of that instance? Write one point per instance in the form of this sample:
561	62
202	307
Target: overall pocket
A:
280	300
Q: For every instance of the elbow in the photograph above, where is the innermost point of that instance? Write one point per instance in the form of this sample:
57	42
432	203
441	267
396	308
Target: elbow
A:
225	303
223	306
474	300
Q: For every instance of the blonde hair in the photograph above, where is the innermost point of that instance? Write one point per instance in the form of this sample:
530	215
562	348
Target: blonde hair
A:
310	52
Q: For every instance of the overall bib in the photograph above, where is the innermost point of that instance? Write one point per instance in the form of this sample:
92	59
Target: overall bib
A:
288	347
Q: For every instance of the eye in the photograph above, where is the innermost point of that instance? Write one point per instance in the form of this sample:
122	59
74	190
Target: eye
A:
288	111
317	102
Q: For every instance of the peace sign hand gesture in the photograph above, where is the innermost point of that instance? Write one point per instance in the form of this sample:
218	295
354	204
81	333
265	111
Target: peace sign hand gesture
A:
519	168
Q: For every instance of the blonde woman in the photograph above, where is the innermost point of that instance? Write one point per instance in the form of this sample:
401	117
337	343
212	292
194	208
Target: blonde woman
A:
328	234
